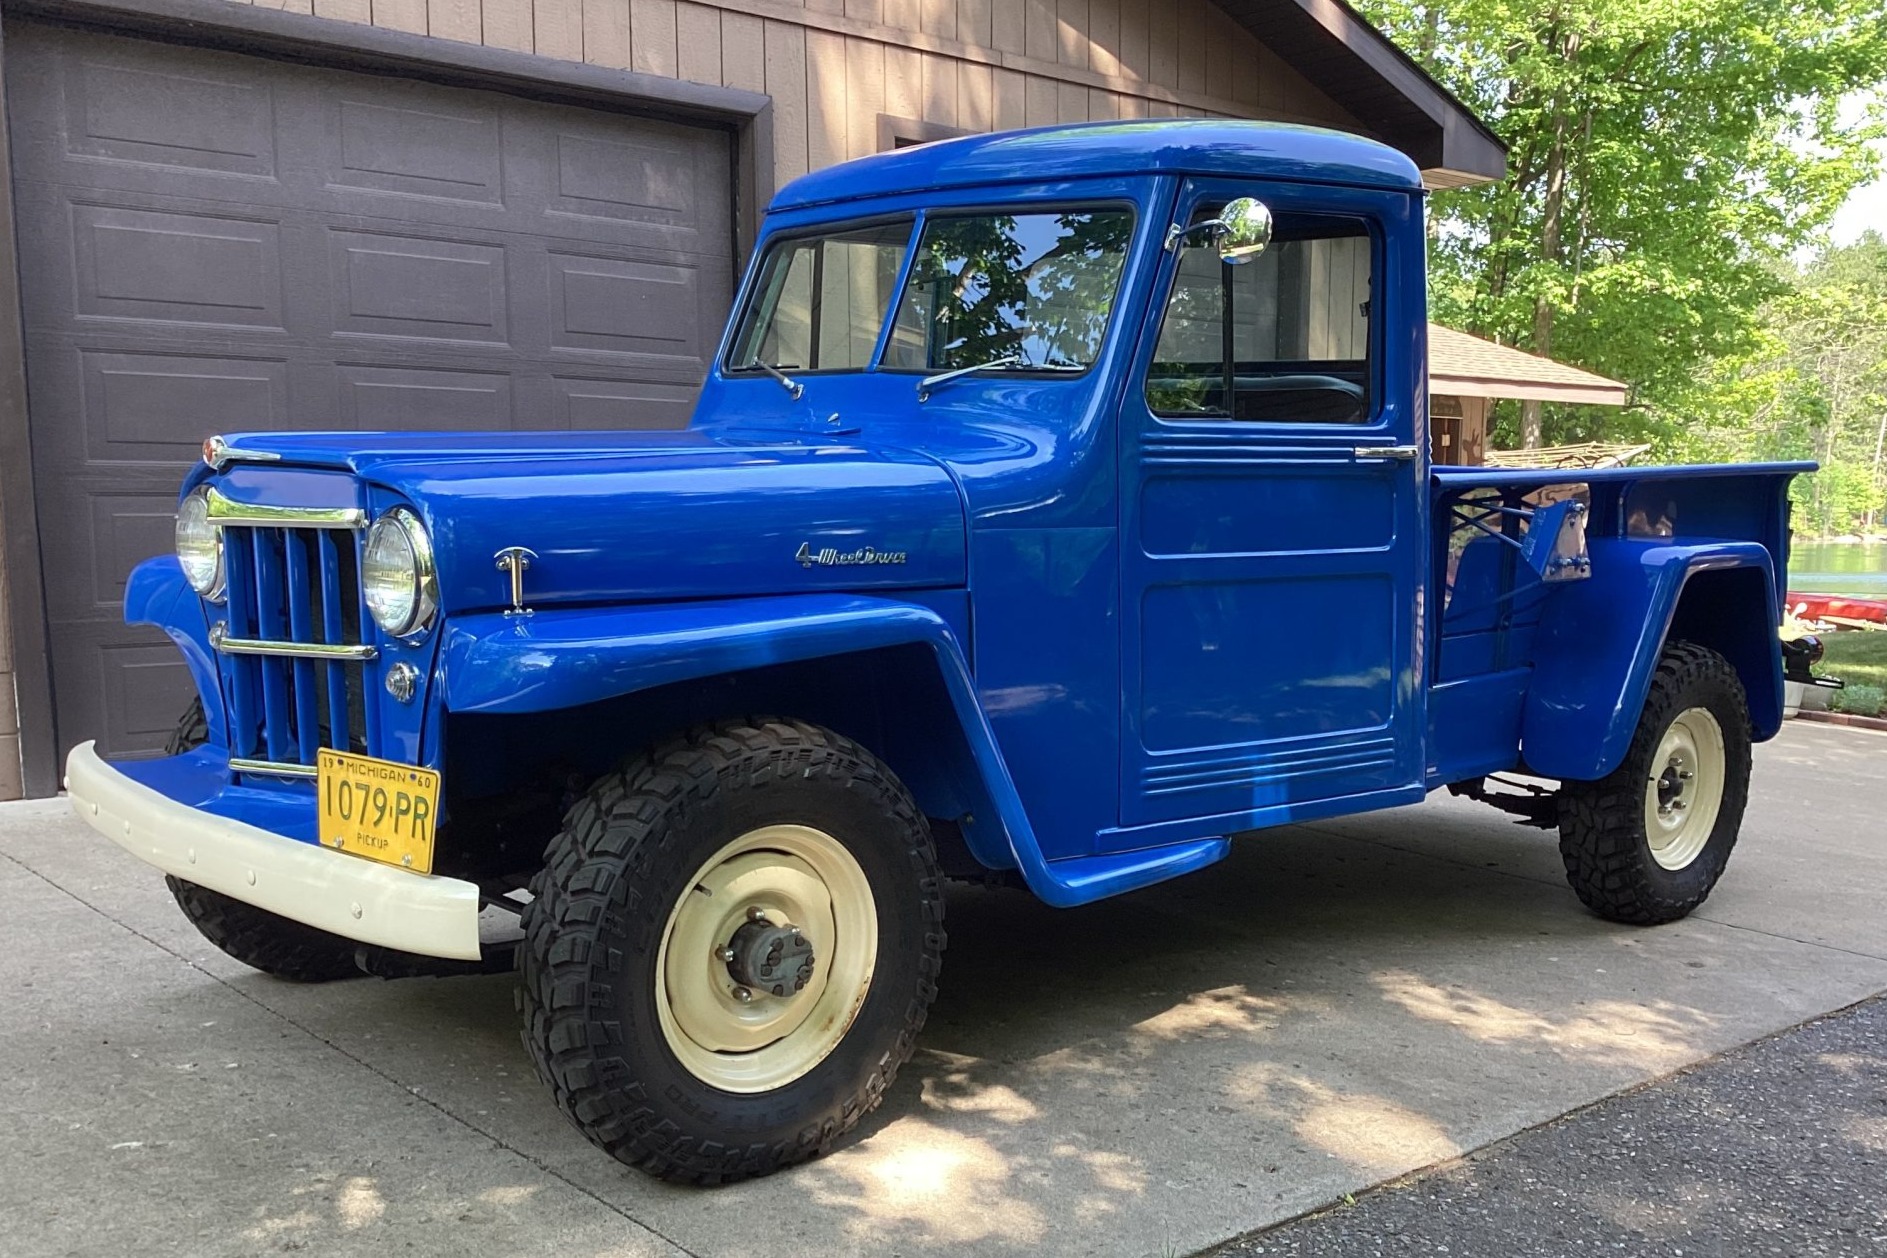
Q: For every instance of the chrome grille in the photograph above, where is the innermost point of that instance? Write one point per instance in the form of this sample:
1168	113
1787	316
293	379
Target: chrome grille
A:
294	658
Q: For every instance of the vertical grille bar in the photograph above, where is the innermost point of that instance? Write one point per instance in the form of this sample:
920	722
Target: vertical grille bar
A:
370	670
239	570
269	625
333	629
301	629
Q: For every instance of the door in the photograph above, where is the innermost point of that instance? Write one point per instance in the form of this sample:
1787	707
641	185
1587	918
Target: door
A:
213	242
1272	519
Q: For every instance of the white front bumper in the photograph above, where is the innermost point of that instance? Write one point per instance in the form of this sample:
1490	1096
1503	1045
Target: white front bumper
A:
331	891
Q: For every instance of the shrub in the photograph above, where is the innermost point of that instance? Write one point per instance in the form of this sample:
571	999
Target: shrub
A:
1860	700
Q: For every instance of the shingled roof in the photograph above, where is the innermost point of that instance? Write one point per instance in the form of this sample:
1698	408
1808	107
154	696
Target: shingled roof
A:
1468	366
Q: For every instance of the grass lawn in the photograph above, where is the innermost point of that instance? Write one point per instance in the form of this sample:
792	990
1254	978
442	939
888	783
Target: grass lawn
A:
1856	656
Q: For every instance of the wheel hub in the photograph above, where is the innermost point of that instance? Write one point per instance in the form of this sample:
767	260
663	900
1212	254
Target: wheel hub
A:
762	957
766	958
1674	787
1684	788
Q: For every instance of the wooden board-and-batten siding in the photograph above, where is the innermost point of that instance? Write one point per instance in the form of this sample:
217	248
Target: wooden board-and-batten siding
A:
836	68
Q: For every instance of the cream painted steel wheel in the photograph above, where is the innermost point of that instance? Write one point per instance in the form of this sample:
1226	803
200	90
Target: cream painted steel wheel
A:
1684	790
769	887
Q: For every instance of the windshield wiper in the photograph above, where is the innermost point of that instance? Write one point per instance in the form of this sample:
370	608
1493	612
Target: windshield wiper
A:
793	387
928	383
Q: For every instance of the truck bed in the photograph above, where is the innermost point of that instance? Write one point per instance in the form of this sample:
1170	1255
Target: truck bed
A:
1488	646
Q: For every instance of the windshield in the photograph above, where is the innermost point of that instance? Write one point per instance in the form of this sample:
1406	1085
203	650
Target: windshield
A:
1038	287
1033	288
822	299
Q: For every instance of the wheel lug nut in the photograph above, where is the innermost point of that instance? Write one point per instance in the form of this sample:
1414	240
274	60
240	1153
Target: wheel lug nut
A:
756	914
725	954
742	995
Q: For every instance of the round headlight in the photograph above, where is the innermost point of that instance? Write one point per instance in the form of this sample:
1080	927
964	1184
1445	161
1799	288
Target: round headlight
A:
396	573
200	546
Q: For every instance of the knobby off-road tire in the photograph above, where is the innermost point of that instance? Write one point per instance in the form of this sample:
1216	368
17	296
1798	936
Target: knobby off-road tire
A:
1646	844
257	938
625	985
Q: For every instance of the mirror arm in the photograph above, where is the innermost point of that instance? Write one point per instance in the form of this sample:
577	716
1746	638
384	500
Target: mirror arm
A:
1178	232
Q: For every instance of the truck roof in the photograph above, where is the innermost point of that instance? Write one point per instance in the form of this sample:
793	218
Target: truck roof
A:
1199	146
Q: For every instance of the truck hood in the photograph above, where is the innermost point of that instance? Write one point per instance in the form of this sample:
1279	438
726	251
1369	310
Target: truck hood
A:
641	516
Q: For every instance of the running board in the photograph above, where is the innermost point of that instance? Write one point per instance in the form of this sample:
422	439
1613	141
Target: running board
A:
1082	879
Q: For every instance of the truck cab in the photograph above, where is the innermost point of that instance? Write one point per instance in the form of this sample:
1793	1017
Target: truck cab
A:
1058	506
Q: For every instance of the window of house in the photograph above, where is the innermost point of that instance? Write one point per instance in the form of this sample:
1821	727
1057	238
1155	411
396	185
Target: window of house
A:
1284	338
1035	288
821	300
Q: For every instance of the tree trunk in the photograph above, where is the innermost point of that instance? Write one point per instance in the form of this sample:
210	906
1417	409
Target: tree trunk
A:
1551	215
1880	447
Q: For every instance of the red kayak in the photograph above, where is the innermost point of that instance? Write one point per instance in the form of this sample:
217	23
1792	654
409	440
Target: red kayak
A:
1838	607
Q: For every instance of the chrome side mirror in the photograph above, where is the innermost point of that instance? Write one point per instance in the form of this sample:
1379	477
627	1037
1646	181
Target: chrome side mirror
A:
1244	231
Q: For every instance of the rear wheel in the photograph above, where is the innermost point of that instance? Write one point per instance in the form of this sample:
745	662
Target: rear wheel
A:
1647	843
256	937
731	949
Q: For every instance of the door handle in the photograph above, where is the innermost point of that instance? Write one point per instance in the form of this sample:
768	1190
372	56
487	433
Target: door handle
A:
1404	454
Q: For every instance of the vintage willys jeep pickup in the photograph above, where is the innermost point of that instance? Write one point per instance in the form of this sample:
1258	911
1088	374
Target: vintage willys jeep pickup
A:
1057	505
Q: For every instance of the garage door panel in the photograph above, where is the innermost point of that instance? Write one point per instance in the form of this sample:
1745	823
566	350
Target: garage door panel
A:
209	117
404	285
159	406
211	242
411	398
625	307
178	268
127	692
584	403
430	146
98	540
582	175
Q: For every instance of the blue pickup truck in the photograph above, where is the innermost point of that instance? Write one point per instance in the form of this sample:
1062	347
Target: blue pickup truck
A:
1058	504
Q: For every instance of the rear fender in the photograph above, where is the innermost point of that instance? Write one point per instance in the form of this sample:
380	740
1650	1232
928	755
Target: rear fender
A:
157	594
1600	640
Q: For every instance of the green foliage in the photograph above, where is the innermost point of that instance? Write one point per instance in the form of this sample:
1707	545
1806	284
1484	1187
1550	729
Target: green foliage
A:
1858	657
1812	385
1666	159
1859	700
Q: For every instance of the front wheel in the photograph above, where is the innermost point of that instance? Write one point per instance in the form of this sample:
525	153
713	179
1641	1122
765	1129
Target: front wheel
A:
1647	843
731	949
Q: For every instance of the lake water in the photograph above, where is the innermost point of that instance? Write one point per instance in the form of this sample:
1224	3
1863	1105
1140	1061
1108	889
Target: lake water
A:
1839	568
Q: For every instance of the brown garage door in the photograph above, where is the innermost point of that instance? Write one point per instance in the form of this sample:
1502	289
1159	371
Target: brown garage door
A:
212	242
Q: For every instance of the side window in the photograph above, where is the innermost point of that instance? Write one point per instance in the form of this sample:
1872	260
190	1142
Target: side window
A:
1282	339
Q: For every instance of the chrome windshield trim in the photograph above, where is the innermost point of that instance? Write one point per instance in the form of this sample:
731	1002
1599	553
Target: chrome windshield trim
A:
220	639
257	515
273	768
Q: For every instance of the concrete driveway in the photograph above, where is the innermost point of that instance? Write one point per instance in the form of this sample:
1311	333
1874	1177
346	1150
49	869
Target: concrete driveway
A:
1335	1005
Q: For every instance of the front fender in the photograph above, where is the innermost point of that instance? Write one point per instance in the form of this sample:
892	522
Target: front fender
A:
1600	640
156	593
560	659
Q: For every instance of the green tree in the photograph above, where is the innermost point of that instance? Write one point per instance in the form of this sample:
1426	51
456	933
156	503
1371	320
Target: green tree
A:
1812	385
1664	157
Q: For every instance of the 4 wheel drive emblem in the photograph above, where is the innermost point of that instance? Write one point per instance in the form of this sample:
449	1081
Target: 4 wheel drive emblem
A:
833	557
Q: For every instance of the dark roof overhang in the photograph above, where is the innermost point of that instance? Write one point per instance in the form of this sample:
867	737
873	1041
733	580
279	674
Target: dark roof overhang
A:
1357	66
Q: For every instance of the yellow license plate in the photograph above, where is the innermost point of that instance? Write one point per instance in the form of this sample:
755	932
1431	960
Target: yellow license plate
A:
378	809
